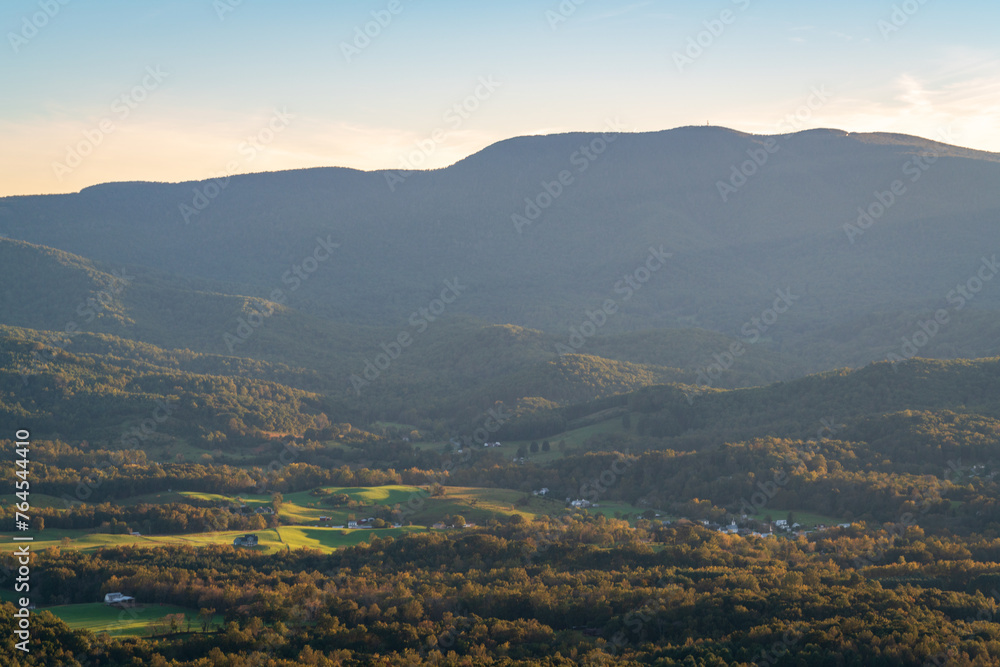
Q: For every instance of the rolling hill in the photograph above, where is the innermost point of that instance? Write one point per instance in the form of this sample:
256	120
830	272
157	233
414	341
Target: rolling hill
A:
643	226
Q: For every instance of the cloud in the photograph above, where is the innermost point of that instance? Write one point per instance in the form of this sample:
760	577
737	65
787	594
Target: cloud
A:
957	102
186	146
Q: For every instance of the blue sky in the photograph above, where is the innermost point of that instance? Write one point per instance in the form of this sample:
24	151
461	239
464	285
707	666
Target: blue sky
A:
109	90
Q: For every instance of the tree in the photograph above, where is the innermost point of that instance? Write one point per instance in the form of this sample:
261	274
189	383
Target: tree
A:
534	447
546	446
276	500
458	521
174	621
205	617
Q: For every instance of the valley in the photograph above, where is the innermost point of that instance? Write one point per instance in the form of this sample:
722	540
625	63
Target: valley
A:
326	419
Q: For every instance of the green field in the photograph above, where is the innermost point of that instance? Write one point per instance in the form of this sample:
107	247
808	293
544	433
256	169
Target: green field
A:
578	437
269	540
574	439
78	539
807	519
329	539
143	620
302	511
303	508
479	505
611	508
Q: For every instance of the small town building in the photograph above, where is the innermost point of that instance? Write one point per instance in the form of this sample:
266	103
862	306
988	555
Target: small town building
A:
119	600
245	541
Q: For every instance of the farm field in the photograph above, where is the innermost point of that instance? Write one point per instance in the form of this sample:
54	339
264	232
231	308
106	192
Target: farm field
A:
329	539
304	507
142	621
479	505
807	519
302	511
612	508
270	540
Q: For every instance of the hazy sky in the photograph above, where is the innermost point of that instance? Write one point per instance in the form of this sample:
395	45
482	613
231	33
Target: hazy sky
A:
109	90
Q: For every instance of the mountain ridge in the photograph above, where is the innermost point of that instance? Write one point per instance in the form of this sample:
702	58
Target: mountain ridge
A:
388	252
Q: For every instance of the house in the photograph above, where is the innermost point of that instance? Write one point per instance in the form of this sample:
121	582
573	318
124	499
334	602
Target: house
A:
581	503
352	524
119	600
781	523
245	541
541	492
732	528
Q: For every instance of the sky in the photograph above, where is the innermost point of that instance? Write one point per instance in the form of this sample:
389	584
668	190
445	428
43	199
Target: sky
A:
109	90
